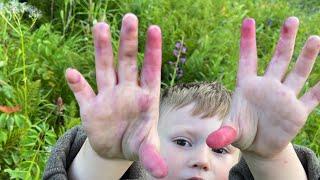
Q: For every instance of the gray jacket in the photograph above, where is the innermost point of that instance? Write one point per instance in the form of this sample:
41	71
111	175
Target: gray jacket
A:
71	142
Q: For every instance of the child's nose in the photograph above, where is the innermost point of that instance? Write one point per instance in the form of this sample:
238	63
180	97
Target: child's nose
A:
201	165
200	159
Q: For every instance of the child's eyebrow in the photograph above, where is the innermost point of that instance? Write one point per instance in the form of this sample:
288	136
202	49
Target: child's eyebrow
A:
184	129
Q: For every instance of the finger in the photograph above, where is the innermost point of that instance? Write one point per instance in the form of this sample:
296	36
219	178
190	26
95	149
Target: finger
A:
296	79
222	137
128	49
284	50
79	86
149	154
152	161
248	50
151	72
105	73
312	98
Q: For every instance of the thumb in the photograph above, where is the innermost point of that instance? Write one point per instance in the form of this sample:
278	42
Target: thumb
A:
222	137
225	135
228	133
151	159
79	86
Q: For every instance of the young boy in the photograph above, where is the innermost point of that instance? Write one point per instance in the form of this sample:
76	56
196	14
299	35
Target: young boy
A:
184	123
121	122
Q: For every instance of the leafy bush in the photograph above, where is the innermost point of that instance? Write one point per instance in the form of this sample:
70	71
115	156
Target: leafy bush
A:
32	63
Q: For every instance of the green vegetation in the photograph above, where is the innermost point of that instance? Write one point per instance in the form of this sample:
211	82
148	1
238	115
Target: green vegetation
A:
38	45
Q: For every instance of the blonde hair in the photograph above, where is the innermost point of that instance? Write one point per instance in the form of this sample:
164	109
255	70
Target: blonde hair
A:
210	98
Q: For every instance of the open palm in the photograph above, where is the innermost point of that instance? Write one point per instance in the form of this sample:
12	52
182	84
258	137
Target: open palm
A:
266	113
121	120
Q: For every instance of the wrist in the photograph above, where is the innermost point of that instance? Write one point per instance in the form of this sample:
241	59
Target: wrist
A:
89	165
280	156
284	165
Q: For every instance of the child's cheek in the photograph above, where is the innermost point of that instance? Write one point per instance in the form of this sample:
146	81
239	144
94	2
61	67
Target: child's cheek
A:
222	166
173	156
223	175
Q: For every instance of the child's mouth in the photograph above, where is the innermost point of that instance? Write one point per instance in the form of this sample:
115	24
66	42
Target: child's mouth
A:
196	178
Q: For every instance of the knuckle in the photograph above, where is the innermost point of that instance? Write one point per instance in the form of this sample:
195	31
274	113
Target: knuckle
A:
130	48
315	95
103	39
284	47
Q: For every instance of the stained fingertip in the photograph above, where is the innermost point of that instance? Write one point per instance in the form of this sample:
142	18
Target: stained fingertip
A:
290	26
314	42
72	76
292	20
222	137
248	25
100	26
311	48
154	36
154	29
130	21
101	36
152	161
248	21
130	16
248	29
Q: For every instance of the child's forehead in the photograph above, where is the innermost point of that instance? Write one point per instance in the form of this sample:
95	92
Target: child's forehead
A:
184	113
182	117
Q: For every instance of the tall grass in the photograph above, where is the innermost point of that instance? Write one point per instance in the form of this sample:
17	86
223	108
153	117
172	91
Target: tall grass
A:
34	54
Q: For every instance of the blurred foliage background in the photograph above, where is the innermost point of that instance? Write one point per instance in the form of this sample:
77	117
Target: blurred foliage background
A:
40	39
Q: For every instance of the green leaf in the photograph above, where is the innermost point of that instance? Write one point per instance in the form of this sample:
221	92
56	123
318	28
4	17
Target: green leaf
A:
2	64
21	121
50	138
3	137
17	173
10	123
3	118
8	160
15	158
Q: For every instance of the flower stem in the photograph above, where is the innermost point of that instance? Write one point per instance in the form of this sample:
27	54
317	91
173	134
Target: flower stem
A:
176	63
25	78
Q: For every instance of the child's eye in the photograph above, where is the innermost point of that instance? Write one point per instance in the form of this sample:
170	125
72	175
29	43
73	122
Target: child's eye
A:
183	142
220	151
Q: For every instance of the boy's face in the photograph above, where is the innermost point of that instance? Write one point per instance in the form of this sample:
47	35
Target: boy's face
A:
184	148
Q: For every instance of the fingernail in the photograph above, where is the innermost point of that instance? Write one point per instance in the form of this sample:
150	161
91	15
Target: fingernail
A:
72	76
248	22
154	28
292	20
103	26
130	22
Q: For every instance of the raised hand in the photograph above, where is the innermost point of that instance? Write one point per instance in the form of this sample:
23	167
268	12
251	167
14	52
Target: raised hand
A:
121	119
266	113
